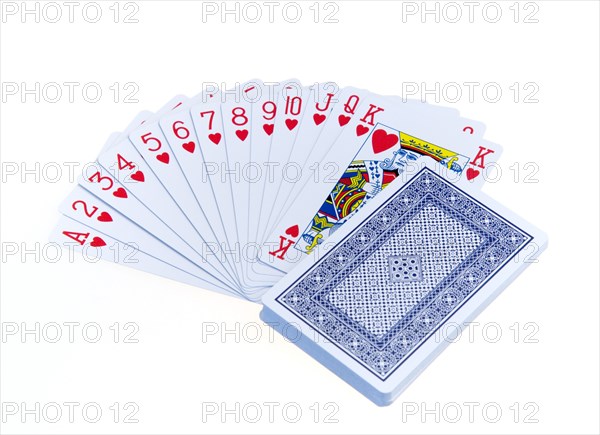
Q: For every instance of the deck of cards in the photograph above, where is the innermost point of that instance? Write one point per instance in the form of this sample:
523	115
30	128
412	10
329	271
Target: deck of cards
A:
356	219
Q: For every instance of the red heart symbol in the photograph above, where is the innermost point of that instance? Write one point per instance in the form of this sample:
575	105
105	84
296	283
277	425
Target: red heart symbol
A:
293	231
318	118
164	157
268	128
361	129
189	147
472	173
215	138
105	217
291	123
97	242
120	193
138	176
242	134
382	141
343	120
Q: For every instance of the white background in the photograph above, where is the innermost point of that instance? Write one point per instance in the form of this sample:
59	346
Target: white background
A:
174	372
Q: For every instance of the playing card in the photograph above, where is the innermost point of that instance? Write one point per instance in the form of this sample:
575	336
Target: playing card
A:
428	252
372	169
237	110
208	127
263	126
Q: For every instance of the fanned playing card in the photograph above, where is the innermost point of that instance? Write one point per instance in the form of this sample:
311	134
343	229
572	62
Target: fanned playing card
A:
357	218
425	253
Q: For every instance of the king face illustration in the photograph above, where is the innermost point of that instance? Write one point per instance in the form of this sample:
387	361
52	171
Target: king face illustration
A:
365	179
